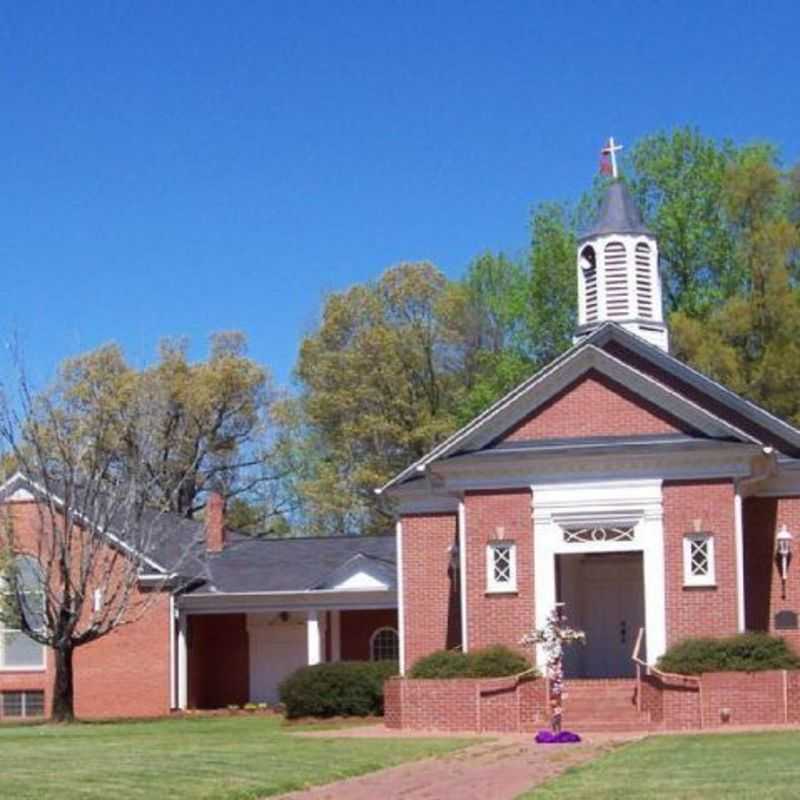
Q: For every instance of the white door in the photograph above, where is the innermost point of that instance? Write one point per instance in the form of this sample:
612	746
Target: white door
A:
612	611
277	648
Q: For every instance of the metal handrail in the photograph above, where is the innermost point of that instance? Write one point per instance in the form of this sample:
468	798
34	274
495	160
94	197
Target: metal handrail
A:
651	670
664	676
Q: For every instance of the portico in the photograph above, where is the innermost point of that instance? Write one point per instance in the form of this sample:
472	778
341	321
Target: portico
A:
615	596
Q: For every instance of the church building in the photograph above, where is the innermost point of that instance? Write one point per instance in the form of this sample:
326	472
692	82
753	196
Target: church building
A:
618	480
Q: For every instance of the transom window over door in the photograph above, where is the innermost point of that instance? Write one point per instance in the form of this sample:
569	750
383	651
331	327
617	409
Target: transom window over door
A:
384	645
501	567
18	651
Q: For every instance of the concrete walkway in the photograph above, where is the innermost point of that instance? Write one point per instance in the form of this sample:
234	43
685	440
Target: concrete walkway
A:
499	769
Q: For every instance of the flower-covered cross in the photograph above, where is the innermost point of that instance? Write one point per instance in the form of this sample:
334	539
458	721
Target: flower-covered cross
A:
553	637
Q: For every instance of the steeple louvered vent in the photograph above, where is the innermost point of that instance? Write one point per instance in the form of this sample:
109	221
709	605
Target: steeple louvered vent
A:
644	281
616	272
589	276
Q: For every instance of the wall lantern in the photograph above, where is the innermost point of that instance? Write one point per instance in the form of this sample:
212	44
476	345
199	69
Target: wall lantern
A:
784	555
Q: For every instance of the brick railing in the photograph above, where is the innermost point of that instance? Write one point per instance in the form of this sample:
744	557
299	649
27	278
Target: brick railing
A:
496	705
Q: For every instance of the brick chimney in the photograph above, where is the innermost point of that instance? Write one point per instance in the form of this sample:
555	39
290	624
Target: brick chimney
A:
215	522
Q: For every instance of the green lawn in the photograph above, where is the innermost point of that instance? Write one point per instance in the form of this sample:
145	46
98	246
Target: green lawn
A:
751	765
226	758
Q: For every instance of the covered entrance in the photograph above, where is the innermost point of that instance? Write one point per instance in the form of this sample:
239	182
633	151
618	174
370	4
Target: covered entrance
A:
603	596
599	548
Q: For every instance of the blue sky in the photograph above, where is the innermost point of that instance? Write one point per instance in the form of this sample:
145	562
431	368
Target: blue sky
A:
179	168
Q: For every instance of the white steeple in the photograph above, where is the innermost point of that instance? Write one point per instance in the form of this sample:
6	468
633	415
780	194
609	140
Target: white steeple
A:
618	277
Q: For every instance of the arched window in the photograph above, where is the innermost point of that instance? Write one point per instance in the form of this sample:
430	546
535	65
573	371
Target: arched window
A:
25	601
384	645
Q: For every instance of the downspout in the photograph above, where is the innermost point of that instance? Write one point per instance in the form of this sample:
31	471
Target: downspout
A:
759	472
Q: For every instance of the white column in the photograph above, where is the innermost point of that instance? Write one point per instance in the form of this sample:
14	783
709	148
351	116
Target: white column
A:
655	612
313	637
336	635
401	610
739	533
173	655
462	572
183	662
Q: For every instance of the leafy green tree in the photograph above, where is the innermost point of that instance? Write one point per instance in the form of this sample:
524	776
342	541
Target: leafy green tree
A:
210	429
485	315
378	382
551	309
677	179
751	341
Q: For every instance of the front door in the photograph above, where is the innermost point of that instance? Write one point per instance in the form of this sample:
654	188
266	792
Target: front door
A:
277	649
605	599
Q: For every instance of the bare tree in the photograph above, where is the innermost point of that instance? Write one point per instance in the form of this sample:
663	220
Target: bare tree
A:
91	542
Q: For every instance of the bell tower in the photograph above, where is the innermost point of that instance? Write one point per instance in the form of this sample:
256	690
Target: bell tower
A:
618	276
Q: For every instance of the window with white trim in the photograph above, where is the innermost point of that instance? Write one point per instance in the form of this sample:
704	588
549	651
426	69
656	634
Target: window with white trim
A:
384	645
17	650
698	559
501	567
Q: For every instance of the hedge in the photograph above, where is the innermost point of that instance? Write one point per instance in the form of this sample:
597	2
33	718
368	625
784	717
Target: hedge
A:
342	688
492	662
745	652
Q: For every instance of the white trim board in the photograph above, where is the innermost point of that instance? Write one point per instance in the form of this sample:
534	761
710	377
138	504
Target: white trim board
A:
610	502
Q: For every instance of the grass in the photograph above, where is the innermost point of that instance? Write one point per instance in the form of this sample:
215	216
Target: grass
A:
748	765
225	758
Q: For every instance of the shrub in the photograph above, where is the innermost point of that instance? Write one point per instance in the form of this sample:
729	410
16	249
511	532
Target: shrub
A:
745	652
343	688
492	662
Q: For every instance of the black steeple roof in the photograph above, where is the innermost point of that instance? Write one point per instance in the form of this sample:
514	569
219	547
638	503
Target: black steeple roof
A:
618	214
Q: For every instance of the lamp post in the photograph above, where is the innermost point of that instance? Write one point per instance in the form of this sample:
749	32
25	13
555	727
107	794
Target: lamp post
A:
784	554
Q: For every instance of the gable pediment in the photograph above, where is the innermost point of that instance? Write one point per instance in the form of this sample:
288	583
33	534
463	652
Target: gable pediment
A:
596	394
360	573
595	405
658	392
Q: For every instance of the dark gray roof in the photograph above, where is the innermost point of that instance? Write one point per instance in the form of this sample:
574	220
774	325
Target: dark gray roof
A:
290	564
246	564
618	214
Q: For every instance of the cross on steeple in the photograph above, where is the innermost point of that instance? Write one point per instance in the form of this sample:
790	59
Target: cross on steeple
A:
611	150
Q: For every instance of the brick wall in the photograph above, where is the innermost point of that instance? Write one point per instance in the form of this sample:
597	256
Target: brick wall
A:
498	618
724	698
357	627
763	517
126	673
615	411
702	399
494	705
431	596
700	611
749	698
219	660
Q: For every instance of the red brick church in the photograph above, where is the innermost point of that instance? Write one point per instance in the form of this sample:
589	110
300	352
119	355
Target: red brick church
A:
617	480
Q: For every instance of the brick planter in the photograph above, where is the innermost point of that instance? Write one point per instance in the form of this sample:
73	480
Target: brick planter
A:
492	705
724	698
505	705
